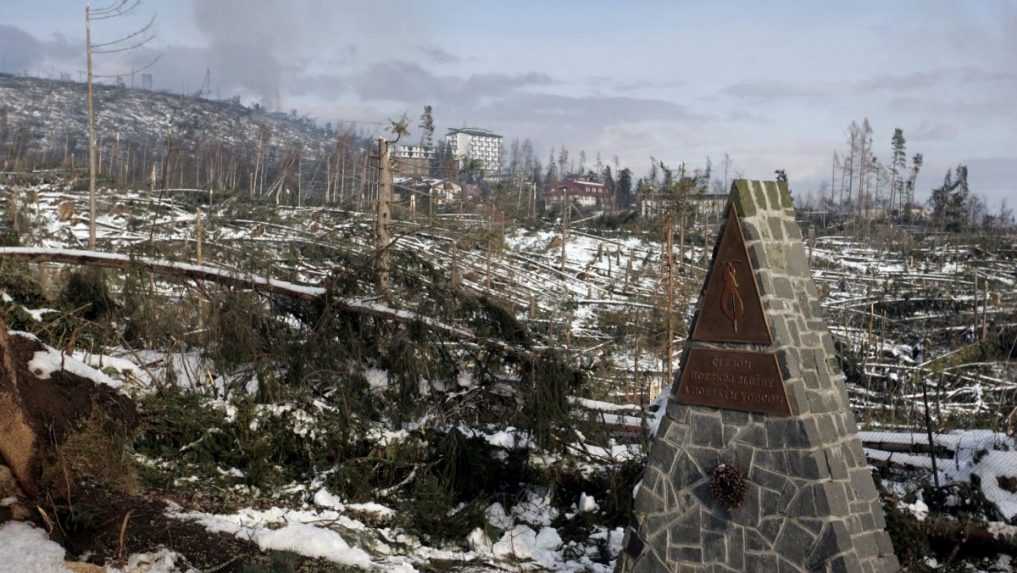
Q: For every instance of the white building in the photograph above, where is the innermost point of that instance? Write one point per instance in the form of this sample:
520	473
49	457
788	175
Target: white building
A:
413	152
480	144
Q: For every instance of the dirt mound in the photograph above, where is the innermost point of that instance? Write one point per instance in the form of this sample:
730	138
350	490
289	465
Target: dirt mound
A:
40	409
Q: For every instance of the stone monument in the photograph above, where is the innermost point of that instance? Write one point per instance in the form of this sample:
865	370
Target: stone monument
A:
756	464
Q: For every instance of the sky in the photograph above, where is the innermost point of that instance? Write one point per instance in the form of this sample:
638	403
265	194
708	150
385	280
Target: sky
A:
772	84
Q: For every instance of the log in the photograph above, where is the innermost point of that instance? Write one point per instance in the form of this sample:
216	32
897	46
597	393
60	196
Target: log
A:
232	278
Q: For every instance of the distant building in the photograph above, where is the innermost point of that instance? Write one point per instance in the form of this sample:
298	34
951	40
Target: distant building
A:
413	152
472	143
146	81
412	160
708	206
579	192
442	191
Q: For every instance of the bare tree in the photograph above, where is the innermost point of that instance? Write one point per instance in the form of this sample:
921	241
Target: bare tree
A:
132	41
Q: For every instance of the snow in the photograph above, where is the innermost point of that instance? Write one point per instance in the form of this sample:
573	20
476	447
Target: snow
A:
983	453
27	549
162	561
994	465
377	379
48	360
297	535
326	499
587	503
496	516
312	541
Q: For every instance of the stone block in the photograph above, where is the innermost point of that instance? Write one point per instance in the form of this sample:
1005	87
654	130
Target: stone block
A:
756	542
877	515
650	563
847	563
830	498
835	464
768	479
707	431
677	412
861	483
685	554
866	545
714	547
736	549
713	522
884	543
777	431
776	228
828	429
770	502
770	528
759	198
705	458
812	382
732	417
803	504
757	256
662	455
675	433
753	435
747	513
686	529
889	564
792	231
685	472
760	563
782	288
794	542
834	539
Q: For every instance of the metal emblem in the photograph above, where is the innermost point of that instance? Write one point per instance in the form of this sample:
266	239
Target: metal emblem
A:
731	310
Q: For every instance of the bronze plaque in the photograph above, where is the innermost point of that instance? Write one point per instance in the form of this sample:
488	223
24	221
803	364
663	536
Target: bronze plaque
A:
733	380
730	310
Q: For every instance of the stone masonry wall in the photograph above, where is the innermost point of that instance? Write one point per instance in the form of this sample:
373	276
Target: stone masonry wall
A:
810	503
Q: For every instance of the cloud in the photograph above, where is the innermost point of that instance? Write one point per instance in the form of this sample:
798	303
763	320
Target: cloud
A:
924	80
932	131
404	81
18	49
438	55
766	91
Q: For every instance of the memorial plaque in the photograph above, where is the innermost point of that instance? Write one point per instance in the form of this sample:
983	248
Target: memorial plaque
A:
733	380
731	309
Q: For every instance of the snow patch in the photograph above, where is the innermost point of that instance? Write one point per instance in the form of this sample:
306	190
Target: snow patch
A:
27	549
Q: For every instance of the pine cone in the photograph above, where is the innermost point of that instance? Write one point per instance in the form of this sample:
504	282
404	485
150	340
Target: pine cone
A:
727	483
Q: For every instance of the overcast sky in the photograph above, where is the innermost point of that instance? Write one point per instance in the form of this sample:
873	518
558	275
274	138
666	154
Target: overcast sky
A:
773	84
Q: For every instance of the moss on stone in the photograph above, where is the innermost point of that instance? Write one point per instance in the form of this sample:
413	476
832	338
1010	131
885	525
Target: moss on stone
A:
741	197
785	195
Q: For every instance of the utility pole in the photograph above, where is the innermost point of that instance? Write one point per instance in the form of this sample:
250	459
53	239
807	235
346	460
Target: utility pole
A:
91	128
382	217
129	42
566	207
669	278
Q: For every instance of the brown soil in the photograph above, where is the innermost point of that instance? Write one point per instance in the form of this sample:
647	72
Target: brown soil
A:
1009	483
93	529
48	410
61	402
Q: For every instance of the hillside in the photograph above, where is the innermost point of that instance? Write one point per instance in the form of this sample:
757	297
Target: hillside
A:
52	113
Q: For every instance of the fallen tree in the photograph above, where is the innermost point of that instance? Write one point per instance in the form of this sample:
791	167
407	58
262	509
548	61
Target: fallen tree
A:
238	279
